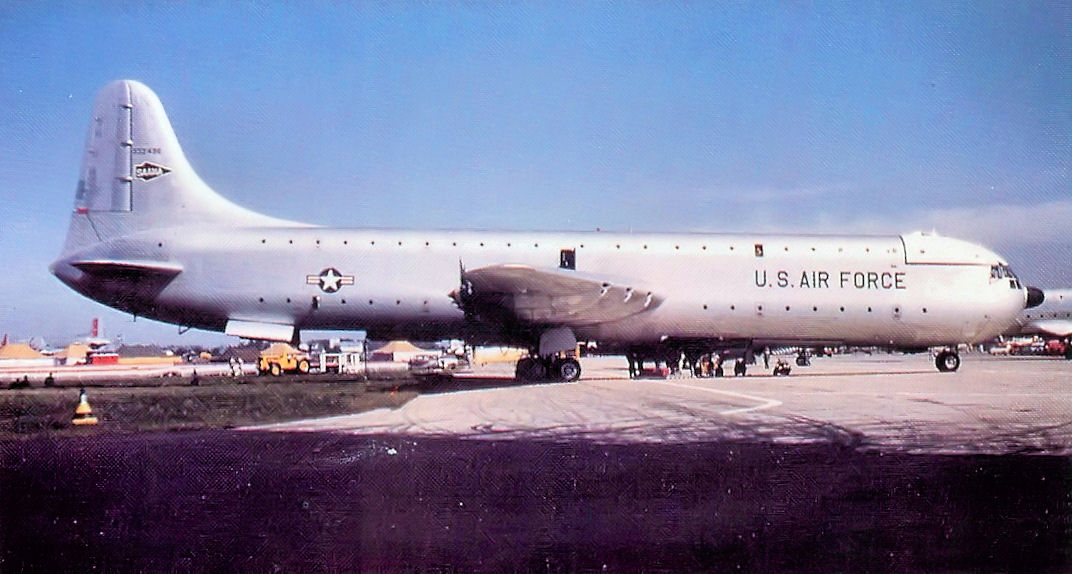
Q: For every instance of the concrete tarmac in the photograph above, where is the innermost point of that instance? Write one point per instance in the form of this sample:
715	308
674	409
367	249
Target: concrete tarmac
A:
856	464
878	402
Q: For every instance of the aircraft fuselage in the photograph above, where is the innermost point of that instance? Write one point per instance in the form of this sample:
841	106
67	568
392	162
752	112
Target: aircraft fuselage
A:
855	289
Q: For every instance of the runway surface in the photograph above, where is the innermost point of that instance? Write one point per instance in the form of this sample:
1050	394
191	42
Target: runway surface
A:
883	402
857	464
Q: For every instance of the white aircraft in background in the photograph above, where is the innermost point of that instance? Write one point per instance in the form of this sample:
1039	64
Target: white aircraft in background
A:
1050	321
148	236
1053	318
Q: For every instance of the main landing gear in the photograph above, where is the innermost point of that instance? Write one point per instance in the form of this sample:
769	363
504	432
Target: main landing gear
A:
565	369
947	361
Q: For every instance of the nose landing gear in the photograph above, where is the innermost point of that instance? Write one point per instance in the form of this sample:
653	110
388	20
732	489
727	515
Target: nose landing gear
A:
947	361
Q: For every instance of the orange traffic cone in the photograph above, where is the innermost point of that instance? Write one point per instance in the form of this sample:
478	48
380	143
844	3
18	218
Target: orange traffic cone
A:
83	413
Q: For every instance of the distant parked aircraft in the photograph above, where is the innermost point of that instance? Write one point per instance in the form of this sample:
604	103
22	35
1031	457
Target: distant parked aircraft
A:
1052	319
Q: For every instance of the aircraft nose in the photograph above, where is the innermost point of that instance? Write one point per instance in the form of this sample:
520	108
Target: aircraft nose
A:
1035	297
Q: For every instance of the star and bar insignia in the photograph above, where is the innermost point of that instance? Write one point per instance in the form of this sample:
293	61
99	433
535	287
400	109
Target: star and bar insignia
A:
330	280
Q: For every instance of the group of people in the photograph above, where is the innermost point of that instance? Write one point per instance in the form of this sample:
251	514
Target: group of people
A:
238	366
637	359
24	382
675	363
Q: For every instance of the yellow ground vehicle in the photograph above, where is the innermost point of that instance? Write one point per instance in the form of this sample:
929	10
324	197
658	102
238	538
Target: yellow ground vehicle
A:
282	358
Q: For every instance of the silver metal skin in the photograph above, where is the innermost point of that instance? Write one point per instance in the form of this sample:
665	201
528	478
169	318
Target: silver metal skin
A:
148	236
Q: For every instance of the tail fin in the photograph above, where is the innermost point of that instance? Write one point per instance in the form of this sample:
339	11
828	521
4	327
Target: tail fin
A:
134	175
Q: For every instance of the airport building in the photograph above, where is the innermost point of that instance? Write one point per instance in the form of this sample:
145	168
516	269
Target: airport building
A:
398	352
21	355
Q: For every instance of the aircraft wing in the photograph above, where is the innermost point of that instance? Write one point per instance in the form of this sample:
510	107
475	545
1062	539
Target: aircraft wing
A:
1055	327
549	296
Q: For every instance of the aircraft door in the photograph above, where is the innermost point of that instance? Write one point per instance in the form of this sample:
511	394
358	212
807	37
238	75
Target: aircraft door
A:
567	259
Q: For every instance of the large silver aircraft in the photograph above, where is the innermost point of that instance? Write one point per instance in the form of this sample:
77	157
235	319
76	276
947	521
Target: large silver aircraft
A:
149	237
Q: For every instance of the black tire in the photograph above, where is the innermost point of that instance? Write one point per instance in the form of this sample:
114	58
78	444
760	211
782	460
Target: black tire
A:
530	369
568	370
275	369
947	361
303	366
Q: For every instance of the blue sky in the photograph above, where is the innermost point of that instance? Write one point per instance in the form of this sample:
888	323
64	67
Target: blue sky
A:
738	116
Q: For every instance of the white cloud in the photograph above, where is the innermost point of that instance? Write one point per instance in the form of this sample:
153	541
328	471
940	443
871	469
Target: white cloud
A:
1038	224
995	224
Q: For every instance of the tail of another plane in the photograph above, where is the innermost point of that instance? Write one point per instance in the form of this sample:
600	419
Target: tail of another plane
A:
135	176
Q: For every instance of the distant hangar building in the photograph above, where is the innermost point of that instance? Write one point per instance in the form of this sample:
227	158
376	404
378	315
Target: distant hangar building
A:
399	352
21	355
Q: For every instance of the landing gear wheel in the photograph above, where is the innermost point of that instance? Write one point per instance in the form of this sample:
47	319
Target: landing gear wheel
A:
739	369
530	369
567	370
947	361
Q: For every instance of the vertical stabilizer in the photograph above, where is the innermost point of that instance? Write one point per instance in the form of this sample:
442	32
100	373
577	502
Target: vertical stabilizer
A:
135	176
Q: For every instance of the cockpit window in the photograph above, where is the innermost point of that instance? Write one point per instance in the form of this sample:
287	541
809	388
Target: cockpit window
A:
998	272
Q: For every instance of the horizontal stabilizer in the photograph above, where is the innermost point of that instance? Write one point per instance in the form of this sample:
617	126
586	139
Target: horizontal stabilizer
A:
550	296
112	267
